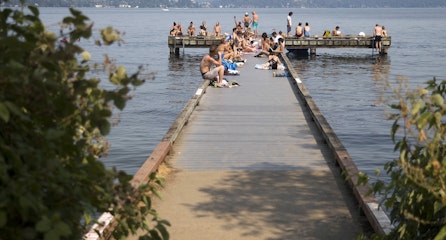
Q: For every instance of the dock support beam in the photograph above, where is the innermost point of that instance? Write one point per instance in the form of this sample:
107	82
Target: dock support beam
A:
313	51
175	50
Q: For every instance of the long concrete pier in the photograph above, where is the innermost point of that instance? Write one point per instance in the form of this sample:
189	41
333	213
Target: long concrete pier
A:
258	161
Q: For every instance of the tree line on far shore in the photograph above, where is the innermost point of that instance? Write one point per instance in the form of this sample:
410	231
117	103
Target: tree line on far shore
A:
234	3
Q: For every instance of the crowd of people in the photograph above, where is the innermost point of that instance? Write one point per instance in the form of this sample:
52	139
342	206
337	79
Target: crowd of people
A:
245	39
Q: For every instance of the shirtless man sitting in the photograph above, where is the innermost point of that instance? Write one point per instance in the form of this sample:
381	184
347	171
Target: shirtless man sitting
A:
266	45
213	58
191	29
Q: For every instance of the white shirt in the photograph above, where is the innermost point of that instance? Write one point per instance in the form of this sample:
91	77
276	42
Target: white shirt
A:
289	20
276	39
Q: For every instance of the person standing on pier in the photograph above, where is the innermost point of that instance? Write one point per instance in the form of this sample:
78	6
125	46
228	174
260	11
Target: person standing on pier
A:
212	59
217	29
384	32
377	33
289	24
246	22
255	23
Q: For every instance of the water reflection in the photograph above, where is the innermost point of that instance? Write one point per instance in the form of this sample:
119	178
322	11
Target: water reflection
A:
184	62
381	68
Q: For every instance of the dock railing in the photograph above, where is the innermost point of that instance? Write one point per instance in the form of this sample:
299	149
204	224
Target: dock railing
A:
376	216
291	43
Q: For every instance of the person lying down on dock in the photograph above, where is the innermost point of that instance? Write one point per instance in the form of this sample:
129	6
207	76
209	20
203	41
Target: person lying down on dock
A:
272	63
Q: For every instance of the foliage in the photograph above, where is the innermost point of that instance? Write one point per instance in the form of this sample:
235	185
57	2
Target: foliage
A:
416	193
53	119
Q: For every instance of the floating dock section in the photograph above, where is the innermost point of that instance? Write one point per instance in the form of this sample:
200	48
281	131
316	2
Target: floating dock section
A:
291	43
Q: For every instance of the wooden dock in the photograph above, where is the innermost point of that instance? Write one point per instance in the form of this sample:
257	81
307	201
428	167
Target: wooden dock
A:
258	161
291	43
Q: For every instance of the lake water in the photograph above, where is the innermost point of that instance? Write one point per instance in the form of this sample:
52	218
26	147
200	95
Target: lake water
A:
344	82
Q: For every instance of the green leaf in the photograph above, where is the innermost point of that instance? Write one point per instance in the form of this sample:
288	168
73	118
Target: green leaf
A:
438	206
62	229
437	99
441	234
104	127
34	10
119	102
4	112
121	72
52	235
3	218
44	225
162	229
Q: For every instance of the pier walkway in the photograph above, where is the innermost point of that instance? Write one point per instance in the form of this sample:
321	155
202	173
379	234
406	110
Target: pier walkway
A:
251	163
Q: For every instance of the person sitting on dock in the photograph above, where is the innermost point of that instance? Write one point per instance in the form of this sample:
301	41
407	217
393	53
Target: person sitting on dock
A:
307	30
279	47
228	51
238	41
336	31
202	31
246	44
174	29
299	30
212	59
191	29
275	38
180	29
266	45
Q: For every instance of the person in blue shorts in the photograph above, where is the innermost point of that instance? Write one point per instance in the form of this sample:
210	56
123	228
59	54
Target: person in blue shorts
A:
307	30
255	23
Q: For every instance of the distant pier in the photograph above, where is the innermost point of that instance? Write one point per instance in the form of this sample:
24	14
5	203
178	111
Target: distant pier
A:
291	43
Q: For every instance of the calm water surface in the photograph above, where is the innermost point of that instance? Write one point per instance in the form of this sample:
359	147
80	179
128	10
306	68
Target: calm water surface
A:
344	82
